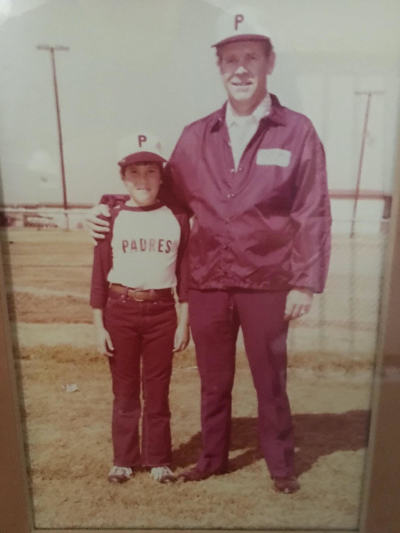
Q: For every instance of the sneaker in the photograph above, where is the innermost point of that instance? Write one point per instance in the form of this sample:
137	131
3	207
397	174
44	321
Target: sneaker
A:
120	474
162	474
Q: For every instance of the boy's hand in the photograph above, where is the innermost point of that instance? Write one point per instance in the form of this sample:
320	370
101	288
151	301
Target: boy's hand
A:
94	221
182	337
103	342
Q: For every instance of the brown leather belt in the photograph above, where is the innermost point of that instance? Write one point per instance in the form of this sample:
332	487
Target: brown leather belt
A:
141	295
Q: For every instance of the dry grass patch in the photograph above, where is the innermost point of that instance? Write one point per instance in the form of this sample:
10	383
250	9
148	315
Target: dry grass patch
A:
70	451
37	309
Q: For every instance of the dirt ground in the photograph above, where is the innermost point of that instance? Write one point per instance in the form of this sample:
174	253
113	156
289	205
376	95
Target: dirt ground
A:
68	433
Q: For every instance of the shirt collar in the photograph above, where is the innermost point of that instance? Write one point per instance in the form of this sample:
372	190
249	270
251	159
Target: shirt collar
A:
261	111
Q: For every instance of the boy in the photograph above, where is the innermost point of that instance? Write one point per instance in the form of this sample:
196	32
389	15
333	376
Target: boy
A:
135	270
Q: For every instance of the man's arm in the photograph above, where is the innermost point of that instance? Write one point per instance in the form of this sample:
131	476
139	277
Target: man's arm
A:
311	219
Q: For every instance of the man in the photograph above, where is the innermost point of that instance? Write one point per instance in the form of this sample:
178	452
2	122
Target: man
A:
253	176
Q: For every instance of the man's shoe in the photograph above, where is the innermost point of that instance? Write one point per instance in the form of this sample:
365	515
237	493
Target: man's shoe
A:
193	474
287	485
162	474
120	474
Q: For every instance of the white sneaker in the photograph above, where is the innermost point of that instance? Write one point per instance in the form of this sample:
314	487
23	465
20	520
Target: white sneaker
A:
162	474
120	474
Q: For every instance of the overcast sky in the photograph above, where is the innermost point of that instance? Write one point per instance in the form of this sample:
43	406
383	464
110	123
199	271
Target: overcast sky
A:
148	64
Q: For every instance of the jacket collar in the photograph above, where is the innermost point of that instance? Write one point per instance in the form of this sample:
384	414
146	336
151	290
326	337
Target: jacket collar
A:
276	115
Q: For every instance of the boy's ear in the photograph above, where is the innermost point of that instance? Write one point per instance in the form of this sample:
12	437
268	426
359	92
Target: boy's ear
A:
122	173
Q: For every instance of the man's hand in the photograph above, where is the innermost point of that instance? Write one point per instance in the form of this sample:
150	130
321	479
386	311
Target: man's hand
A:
298	303
97	227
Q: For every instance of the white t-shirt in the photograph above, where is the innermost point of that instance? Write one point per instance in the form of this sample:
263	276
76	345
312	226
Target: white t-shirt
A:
144	247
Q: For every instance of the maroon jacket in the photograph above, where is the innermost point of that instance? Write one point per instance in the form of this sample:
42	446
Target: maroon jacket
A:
265	226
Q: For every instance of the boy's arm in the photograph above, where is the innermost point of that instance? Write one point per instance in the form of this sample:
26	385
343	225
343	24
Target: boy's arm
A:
182	333
182	262
103	340
102	263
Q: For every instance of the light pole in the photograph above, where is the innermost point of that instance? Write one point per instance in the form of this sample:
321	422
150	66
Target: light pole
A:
369	95
52	50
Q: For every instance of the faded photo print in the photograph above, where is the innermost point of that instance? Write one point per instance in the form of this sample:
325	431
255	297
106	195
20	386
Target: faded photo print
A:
195	201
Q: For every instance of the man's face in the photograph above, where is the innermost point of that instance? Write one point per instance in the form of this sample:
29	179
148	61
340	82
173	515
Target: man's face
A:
142	181
244	67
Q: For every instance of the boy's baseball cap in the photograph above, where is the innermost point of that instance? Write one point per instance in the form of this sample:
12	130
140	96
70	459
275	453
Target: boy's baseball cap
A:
239	25
144	147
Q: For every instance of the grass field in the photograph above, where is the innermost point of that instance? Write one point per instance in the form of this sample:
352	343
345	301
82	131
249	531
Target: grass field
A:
68	433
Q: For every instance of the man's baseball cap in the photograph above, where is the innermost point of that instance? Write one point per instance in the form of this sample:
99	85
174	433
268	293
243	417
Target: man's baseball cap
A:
143	147
239	26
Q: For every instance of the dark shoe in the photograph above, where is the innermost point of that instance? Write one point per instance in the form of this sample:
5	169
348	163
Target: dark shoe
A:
287	485
193	474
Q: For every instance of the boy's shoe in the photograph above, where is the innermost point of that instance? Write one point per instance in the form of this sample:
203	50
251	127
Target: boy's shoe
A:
162	474
120	474
287	485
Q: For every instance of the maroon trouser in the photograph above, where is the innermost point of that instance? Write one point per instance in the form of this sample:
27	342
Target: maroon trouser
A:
215	317
141	332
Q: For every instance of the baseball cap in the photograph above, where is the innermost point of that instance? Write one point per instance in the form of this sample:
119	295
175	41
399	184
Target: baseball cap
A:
239	25
141	147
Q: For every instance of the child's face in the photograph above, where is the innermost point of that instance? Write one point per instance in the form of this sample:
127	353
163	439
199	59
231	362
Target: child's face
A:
142	181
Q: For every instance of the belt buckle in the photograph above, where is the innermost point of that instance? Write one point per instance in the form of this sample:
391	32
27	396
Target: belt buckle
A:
133	293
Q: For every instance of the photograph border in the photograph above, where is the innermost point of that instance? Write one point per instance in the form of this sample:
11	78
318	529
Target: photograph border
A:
380	505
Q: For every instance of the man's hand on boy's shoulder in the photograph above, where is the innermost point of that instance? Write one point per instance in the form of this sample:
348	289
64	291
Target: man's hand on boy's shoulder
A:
97	222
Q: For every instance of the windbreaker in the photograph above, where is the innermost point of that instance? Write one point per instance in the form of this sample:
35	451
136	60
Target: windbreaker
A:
266	224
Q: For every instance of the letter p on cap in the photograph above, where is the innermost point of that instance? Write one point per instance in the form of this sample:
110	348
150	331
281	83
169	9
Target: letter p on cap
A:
238	20
141	139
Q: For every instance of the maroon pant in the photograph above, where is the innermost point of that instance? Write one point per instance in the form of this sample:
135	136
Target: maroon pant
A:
141	332
215	317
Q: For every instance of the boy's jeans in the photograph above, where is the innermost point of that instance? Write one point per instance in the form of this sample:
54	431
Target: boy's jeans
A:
141	332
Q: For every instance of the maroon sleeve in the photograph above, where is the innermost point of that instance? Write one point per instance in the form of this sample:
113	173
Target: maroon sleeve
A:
182	263
102	263
311	218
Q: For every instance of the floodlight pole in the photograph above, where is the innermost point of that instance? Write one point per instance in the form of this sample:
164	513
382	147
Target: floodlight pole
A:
52	50
369	95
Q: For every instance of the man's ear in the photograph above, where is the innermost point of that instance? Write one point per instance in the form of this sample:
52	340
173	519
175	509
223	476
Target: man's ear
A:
271	62
121	173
